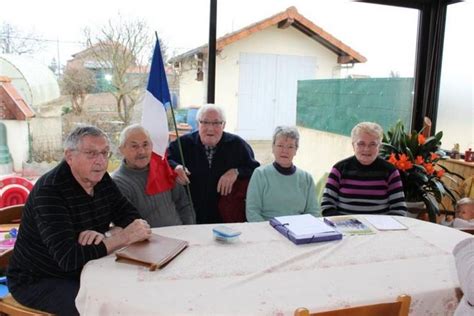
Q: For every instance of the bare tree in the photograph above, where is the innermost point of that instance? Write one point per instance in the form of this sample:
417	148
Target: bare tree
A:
14	41
121	47
77	82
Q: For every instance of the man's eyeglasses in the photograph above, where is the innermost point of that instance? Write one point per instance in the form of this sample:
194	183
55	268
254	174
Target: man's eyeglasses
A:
93	154
371	145
213	124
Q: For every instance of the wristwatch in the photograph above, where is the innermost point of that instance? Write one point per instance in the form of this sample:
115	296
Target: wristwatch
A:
108	234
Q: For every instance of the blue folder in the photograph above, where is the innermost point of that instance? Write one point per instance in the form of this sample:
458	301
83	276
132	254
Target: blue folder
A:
284	229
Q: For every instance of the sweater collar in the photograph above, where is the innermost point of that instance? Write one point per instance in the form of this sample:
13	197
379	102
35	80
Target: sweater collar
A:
285	171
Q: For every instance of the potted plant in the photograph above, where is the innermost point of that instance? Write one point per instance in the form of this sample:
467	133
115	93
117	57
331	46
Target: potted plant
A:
416	158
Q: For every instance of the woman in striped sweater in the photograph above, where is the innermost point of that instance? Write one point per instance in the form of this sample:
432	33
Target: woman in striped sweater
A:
364	183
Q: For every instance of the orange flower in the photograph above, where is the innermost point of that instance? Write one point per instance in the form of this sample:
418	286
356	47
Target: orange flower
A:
392	159
440	173
434	156
421	139
429	168
403	163
419	160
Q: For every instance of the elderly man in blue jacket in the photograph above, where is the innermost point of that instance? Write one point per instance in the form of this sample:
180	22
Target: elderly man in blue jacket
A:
214	159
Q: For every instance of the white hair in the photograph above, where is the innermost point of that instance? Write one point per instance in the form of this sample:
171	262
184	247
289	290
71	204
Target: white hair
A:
208	108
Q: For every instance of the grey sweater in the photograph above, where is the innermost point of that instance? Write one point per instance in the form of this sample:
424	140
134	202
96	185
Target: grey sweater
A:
162	209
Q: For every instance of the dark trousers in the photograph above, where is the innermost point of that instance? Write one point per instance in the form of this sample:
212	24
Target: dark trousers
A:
54	296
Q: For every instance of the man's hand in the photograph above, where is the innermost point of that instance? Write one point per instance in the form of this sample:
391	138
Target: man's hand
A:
182	177
88	237
226	181
138	230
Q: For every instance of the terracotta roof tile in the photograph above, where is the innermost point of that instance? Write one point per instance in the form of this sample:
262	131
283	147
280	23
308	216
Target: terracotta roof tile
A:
284	19
13	101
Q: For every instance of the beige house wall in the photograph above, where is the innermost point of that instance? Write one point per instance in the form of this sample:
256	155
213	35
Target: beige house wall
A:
269	41
191	91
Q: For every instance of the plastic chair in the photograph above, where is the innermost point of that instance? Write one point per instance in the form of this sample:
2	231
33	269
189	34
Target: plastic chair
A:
398	308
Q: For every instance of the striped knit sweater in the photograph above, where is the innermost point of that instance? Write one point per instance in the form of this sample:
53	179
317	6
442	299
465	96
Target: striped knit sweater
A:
56	211
353	188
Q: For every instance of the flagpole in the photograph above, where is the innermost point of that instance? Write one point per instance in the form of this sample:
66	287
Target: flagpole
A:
175	126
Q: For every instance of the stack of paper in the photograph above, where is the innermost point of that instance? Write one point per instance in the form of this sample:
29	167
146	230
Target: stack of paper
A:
384	222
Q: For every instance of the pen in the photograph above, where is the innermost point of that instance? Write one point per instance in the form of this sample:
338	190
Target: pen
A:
327	221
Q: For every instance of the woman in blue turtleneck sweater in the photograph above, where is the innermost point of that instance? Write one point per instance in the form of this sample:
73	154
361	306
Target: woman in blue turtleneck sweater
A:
281	188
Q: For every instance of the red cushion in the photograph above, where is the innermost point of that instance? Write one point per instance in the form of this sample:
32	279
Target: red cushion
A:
232	206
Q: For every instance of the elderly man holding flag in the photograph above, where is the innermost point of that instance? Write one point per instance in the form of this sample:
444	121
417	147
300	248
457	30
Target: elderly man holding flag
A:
145	176
214	160
167	208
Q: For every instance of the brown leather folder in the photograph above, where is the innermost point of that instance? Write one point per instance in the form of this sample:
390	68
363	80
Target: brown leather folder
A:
153	253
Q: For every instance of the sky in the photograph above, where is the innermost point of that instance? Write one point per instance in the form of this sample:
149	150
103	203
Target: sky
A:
385	35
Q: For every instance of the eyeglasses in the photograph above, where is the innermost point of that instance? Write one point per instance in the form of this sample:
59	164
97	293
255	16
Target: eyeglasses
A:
93	154
371	145
213	124
281	147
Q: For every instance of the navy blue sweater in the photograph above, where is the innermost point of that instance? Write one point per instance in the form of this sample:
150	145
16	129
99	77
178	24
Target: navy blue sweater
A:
231	152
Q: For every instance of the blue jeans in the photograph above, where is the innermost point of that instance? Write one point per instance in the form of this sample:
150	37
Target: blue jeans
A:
56	296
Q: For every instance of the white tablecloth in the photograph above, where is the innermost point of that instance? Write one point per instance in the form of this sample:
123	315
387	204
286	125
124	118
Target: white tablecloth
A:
263	273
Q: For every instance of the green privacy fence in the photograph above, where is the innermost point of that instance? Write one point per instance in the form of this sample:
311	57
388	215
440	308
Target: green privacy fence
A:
336	105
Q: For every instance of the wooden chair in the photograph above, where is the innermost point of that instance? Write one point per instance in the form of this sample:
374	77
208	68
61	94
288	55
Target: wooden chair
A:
11	214
10	217
9	306
398	308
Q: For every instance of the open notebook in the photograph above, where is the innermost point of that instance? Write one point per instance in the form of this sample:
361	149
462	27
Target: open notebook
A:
153	253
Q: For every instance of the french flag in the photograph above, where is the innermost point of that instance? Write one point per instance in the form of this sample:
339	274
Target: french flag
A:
161	177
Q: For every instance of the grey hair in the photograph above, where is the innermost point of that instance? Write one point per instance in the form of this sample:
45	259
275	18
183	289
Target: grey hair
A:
464	201
370	128
130	129
77	134
208	108
287	131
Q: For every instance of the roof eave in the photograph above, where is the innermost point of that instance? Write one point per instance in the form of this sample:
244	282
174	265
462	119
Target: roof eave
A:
289	17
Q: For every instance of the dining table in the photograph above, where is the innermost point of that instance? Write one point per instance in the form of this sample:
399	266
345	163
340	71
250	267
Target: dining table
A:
263	273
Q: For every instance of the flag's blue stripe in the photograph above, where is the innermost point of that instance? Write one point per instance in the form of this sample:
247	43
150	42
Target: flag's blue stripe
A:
157	83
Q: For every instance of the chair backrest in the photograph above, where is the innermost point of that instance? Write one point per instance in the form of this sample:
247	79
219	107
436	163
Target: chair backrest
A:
467	230
320	186
9	306
231	207
398	308
11	214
